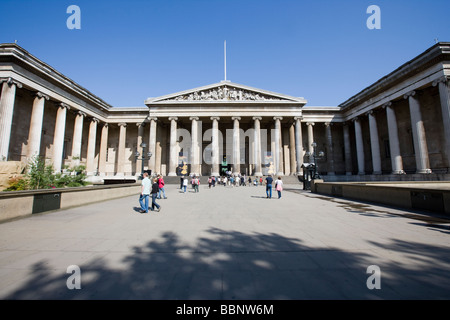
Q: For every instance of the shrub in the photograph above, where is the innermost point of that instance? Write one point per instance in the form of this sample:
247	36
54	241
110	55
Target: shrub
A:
17	184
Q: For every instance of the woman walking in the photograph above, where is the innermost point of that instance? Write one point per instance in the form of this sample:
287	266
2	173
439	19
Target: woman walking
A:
279	186
155	191
161	187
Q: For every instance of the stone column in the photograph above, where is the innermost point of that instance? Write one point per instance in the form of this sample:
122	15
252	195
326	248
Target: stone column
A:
215	146
58	138
152	145
257	146
292	154
444	94
278	149
236	145
330	152
299	145
121	149
418	130
140	139
310	126
195	148
37	116
347	150
374	143
6	115
77	138
91	168
103	151
359	147
173	156
394	144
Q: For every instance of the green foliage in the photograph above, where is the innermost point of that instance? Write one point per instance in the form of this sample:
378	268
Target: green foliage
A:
42	176
17	184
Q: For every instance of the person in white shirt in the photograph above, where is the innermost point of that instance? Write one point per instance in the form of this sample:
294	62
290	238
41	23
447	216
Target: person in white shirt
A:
145	193
279	186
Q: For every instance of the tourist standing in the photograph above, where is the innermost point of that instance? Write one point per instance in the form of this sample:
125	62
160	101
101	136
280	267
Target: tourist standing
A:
155	191
269	181
185	183
145	193
279	186
196	182
161	187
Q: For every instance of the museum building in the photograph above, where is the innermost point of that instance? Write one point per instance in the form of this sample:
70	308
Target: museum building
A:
396	129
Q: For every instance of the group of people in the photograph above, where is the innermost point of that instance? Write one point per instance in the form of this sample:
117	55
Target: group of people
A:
184	181
240	180
153	188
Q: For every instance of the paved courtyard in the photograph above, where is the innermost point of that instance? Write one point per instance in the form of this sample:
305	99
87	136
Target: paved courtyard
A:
227	243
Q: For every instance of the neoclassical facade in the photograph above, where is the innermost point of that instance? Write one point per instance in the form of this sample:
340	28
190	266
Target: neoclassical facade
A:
397	127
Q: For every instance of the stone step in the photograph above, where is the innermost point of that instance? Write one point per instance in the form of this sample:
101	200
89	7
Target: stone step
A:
204	180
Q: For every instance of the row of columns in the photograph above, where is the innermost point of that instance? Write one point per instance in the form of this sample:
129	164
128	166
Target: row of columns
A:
418	133
195	148
9	87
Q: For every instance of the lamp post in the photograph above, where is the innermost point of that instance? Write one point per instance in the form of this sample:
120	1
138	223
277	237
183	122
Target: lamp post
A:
144	157
314	155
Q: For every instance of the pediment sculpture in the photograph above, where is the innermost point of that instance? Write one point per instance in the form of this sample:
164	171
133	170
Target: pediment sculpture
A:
224	93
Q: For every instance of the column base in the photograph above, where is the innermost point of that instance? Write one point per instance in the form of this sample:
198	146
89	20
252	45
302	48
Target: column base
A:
424	171
398	172
361	173
377	172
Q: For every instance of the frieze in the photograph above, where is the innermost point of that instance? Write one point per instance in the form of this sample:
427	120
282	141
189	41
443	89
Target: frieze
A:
224	93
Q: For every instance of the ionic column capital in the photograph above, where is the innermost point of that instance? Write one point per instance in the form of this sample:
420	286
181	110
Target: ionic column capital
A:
11	81
443	79
62	105
277	118
387	105
409	94
80	113
215	118
355	119
328	124
41	95
310	123
152	119
369	113
194	118
122	124
140	124
93	119
257	118
298	118
173	118
236	118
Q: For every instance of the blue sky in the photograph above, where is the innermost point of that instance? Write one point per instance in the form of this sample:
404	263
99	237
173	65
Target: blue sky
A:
322	50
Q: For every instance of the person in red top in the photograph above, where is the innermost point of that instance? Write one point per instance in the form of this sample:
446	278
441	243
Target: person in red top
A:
161	187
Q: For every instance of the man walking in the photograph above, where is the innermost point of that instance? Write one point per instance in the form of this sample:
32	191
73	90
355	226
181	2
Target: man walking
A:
269	181
145	193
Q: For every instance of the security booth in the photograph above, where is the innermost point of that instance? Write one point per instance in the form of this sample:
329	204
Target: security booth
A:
309	171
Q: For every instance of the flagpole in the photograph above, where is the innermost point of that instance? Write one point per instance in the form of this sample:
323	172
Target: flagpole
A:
225	58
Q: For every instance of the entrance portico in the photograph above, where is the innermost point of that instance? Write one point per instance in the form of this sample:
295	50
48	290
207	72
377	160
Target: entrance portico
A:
225	120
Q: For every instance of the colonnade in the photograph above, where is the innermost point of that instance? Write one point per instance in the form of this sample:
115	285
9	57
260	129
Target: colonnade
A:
9	87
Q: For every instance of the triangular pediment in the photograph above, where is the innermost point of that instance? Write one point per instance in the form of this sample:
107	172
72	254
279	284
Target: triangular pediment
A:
224	91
